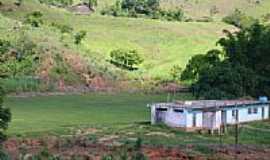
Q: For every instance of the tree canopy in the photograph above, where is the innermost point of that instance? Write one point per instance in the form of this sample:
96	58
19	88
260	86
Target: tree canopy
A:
240	69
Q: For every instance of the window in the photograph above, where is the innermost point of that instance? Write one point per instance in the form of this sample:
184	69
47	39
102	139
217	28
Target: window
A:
249	110
162	109
234	113
178	110
255	110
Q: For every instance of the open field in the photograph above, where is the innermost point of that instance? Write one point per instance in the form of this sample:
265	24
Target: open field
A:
57	113
112	114
93	125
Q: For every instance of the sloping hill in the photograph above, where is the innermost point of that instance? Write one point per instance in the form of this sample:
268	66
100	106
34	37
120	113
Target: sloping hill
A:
199	8
163	44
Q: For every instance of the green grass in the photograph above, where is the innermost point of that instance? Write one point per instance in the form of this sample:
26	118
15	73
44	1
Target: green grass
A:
162	44
125	115
60	113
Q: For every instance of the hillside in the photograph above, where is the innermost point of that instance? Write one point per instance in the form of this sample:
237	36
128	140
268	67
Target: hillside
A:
200	8
163	44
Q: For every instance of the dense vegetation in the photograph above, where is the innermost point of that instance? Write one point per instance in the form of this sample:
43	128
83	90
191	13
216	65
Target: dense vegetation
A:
241	69
125	59
5	117
143	8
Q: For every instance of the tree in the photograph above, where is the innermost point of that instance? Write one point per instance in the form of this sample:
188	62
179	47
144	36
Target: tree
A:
243	69
80	36
126	59
199	63
5	116
17	58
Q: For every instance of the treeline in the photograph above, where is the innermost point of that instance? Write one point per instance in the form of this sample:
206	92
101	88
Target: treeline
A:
143	8
240	69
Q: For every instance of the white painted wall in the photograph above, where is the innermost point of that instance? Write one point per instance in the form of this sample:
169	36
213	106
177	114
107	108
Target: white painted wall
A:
185	119
245	117
175	119
217	123
199	117
153	114
266	112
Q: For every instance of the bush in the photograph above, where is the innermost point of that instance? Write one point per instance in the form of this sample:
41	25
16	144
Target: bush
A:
34	19
176	72
143	8
126	59
80	36
5	116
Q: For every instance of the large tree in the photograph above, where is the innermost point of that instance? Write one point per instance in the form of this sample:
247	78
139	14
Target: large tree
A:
243	70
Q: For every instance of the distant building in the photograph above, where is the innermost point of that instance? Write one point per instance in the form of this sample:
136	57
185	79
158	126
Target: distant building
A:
82	9
208	114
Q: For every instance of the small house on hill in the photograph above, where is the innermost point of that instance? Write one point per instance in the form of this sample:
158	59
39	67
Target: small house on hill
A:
208	114
82	9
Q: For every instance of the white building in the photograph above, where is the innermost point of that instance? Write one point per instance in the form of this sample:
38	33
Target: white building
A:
208	114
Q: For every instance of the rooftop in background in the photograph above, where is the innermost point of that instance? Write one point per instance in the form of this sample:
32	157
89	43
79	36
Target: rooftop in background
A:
209	104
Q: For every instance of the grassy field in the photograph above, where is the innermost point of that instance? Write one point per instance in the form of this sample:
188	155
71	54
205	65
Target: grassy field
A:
113	114
59	113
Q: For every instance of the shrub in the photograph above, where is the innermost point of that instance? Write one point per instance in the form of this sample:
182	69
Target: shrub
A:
176	72
80	36
171	15
34	19
5	116
143	8
126	59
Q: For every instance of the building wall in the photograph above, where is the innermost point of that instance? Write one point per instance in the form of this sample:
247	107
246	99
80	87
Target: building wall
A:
244	116
209	120
266	109
176	119
199	118
217	120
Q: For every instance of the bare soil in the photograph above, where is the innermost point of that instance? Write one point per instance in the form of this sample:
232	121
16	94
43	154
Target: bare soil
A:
88	149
